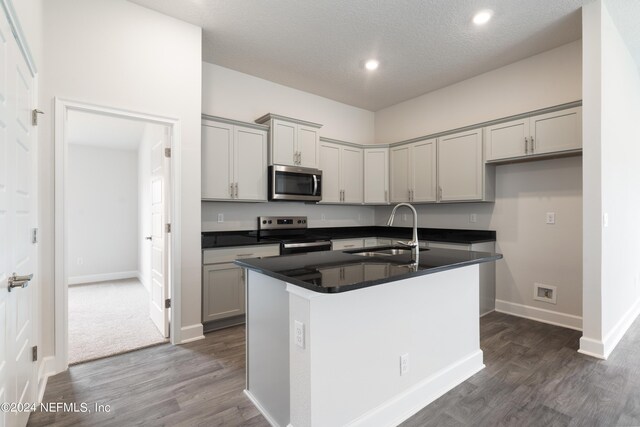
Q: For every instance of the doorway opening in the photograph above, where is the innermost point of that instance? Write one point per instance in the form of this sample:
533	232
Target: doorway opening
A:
115	278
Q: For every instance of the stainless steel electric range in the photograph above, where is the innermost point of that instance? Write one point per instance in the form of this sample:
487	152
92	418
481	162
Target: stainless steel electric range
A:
292	233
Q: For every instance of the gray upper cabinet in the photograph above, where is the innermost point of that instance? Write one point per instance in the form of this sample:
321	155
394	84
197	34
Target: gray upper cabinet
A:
292	142
234	160
543	135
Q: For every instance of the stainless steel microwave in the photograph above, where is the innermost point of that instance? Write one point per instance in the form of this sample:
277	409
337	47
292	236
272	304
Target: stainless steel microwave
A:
295	183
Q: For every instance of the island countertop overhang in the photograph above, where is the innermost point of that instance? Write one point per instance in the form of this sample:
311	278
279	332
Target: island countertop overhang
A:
336	271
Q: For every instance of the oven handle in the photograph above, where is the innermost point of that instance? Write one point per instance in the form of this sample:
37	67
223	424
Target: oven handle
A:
306	245
315	184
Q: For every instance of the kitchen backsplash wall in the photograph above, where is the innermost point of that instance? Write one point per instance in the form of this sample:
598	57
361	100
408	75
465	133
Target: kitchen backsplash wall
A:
243	216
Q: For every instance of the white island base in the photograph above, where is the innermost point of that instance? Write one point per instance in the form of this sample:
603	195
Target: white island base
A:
348	371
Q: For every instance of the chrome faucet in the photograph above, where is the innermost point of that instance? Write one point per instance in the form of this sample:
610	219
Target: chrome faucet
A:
413	244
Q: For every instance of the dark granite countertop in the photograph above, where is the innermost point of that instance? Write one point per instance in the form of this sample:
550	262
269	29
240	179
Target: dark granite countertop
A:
341	271
220	239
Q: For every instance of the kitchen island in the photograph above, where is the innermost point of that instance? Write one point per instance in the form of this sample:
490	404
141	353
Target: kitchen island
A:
360	338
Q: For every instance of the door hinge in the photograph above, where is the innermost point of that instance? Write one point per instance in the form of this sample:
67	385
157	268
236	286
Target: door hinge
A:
167	303
34	116
34	236
34	353
167	228
167	152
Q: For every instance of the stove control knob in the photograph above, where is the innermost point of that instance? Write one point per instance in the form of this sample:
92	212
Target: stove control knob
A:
264	221
304	221
270	221
299	221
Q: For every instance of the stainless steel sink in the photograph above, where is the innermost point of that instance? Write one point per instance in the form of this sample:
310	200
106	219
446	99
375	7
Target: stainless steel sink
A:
385	252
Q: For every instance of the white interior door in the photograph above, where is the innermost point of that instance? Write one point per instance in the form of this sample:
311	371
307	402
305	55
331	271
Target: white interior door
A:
17	218
160	191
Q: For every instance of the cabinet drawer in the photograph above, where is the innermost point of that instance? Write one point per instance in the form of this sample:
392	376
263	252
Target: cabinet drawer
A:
337	245
215	256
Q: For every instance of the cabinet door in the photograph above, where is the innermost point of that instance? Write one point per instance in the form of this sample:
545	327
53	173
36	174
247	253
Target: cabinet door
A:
558	131
376	176
507	140
222	291
423	156
351	175
308	141
283	144
217	155
250	163
460	166
399	173
330	166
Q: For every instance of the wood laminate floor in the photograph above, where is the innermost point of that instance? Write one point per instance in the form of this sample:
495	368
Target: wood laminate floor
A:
533	377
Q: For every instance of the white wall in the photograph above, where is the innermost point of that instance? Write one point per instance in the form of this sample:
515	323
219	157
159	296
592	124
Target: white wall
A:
118	54
533	251
243	216
540	81
234	95
102	214
611	150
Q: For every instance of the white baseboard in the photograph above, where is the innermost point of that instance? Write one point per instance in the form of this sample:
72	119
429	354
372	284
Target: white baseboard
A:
591	347
91	278
191	333
613	337
261	409
47	369
403	406
540	314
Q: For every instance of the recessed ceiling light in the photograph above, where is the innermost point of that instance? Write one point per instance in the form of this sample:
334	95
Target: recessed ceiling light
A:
482	17
371	64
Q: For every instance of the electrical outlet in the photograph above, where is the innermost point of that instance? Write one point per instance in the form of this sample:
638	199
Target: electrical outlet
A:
299	333
220	217
546	293
473	218
404	364
551	217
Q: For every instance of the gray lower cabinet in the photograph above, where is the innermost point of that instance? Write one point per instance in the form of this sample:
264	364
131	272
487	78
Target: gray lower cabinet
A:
223	284
223	295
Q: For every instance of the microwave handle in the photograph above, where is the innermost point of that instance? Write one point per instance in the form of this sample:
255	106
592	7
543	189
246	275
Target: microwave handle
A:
315	184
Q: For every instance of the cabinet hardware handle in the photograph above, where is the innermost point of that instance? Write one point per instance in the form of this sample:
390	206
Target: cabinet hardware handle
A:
533	147
245	255
236	187
231	190
439	193
409	196
385	196
526	145
349	246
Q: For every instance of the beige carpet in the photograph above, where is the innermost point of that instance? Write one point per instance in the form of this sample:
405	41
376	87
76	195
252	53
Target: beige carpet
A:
109	318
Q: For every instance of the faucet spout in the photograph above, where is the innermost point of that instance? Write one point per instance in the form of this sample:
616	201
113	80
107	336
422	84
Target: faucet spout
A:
413	244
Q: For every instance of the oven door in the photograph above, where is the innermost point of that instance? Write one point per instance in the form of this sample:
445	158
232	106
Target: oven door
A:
295	183
301	248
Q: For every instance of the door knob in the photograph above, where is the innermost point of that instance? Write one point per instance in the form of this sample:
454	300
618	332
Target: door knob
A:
149	237
16	281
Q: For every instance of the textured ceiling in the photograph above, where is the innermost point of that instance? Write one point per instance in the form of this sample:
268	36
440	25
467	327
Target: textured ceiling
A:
104	131
319	46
